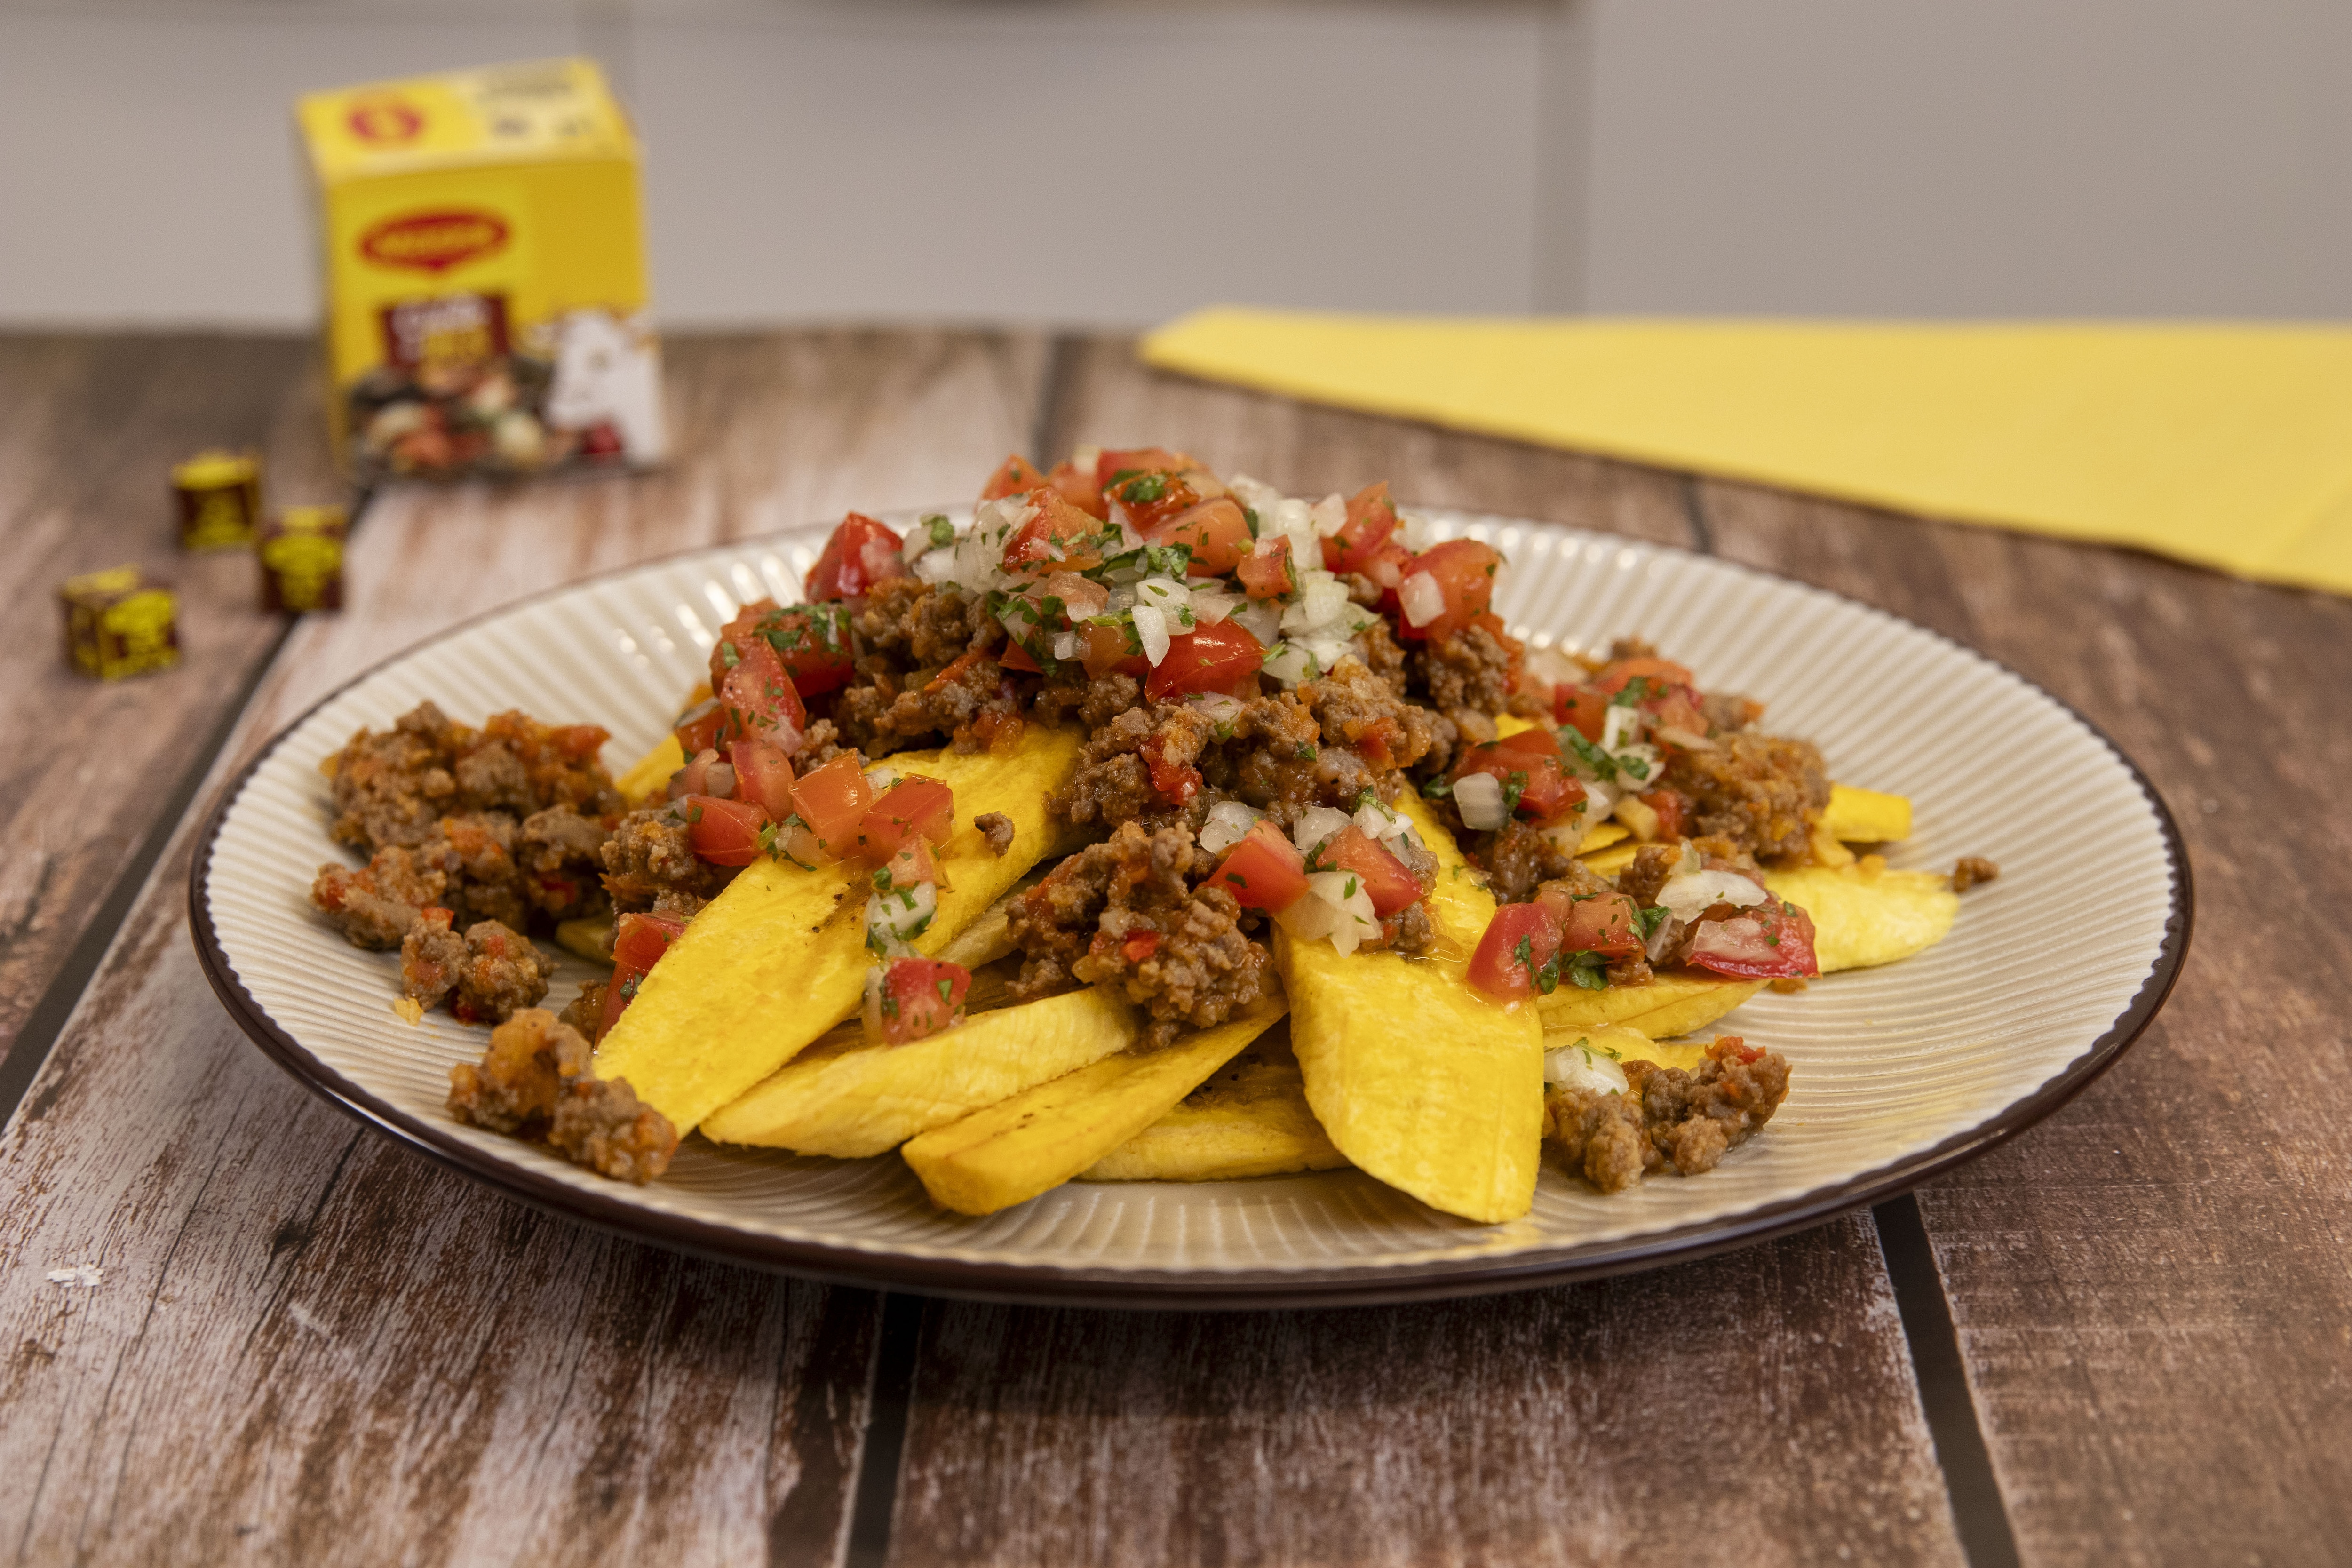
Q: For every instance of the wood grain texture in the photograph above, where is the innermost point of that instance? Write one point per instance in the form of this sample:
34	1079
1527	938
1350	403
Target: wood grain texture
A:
1103	398
89	428
2150	1289
310	1345
1754	1409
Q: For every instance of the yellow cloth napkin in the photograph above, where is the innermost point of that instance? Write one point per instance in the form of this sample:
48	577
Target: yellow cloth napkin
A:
2228	446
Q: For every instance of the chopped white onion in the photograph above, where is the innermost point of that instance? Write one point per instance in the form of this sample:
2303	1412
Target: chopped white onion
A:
1314	825
1290	663
1327	652
1152	631
1620	727
1662	940
1322	601
1688	897
1085	458
1479	798
1581	1066
1229	823
1421	598
881	775
896	917
1330	514
1209	606
1380	823
1415	530
1339	906
1689	740
1067	644
1261	619
1163	594
1215	706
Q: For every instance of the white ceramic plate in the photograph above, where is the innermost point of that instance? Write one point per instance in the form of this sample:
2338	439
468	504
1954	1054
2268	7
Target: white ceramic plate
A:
1898	1072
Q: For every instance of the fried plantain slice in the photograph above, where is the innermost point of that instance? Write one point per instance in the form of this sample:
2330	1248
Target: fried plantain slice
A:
1865	915
780	956
1419	1080
649	776
1040	1138
849	1098
1674	1002
1250	1118
1867	815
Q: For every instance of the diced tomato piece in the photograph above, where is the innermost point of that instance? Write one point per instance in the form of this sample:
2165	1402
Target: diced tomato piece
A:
1593	923
1386	564
1060	538
1674	812
1078	488
1767	940
695	777
919	996
832	801
1018	474
1677	711
1015	657
913	863
1267	571
698	728
1385	877
763	775
1175	779
1217	657
1114	462
1153	499
1584	709
1464	572
638	942
1529	762
1659	673
1520	941
1114	649
1134	948
812	641
1372	518
914	807
861	553
723	832
735	638
1263	871
1216	532
759	698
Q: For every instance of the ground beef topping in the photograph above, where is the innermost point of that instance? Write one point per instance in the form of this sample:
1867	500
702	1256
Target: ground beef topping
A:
534	1082
997	829
650	865
1472	669
374	906
1971	870
1762	792
1125	914
1667	1118
485	975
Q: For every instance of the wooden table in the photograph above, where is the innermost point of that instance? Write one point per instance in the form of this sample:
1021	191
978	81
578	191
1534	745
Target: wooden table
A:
2125	1337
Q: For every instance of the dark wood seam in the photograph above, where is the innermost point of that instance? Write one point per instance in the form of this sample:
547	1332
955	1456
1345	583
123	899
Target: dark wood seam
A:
46	1022
875	1502
1045	431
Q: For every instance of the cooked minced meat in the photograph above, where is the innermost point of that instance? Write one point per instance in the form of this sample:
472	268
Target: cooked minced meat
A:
1519	858
1971	870
970	703
1093	701
997	829
1763	792
585	1010
1126	912
485	975
560	854
1667	1119
396	786
534	1082
374	905
1472	669
1352	705
650	863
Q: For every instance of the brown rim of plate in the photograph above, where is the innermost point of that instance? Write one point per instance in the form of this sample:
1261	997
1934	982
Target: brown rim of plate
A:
1374	1284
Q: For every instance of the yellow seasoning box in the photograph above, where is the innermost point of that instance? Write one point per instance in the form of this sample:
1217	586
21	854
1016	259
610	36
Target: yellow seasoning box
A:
488	309
119	622
218	496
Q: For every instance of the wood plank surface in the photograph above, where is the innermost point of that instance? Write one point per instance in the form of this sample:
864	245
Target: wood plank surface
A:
306	1344
2150	1289
1754	1408
89	428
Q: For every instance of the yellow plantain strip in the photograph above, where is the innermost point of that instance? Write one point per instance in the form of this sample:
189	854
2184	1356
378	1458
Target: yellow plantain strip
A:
1864	917
780	957
1249	1119
1018	1147
1674	1002
1610	861
649	776
1622	1043
851	1099
1865	815
1417	1079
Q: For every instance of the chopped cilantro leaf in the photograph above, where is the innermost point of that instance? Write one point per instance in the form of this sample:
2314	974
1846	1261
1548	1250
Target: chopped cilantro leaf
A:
1589	969
1649	920
1513	788
1437	788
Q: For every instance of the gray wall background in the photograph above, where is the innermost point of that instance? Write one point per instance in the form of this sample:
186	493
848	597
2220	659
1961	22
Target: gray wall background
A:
1117	162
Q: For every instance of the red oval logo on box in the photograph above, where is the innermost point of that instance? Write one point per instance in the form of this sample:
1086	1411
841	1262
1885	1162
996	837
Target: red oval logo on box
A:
433	241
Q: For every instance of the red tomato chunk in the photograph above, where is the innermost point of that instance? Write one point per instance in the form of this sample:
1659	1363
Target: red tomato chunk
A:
919	996
1017	475
1372	518
1263	871
913	809
1268	572
1520	941
763	776
1594	922
1464	572
638	942
1219	657
1529	762
1764	941
1060	538
861	553
1385	877
723	832
831	801
1215	531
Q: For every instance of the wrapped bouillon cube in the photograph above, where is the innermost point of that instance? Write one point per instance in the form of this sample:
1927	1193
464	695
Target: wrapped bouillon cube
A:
219	498
301	554
119	622
488	310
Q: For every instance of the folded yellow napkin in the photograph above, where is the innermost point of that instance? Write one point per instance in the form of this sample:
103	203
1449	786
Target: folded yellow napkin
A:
2228	446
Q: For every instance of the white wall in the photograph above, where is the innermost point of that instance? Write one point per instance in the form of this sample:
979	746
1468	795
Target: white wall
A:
1116	161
